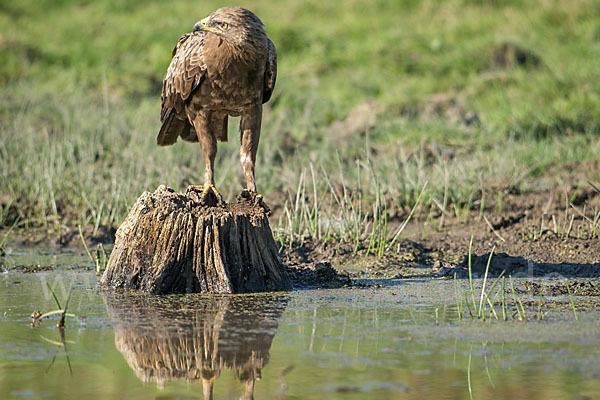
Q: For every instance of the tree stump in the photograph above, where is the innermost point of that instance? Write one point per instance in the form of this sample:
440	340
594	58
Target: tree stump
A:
171	243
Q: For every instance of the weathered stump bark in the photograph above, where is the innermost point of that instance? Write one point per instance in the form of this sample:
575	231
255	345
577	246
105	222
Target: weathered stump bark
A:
170	243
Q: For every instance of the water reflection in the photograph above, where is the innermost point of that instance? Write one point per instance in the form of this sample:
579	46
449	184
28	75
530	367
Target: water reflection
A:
194	337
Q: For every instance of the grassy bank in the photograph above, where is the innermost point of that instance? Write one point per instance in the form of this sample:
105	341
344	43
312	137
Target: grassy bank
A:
373	99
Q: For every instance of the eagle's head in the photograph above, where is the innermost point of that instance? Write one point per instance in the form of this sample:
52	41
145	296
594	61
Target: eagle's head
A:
236	25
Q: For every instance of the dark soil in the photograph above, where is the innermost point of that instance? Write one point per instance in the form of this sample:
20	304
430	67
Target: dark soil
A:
534	234
531	234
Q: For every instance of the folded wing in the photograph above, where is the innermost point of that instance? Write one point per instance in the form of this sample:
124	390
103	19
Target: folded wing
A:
185	73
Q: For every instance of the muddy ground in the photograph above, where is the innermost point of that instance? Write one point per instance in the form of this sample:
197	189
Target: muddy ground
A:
539	233
534	234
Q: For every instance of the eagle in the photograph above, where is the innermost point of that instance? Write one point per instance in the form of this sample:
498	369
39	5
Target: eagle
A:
226	67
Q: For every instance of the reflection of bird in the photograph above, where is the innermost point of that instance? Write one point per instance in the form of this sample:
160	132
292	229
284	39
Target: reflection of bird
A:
226	67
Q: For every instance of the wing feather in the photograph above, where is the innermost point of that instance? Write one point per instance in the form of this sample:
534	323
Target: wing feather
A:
270	71
185	73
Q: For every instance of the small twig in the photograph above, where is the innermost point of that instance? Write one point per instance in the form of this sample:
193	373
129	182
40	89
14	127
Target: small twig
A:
493	230
412	211
570	227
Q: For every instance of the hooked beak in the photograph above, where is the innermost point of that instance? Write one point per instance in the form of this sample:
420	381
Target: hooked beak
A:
202	26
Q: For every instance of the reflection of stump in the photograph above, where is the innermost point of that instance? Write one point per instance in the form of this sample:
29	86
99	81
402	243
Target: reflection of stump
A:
171	243
194	337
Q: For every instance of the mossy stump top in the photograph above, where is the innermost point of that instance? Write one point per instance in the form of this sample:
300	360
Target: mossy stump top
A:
171	243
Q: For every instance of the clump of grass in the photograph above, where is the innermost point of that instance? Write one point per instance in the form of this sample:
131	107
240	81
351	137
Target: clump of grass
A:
484	299
37	317
60	326
342	212
100	258
379	232
478	310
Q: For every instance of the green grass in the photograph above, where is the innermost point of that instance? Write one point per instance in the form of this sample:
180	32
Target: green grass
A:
60	311
100	258
79	110
467	297
484	300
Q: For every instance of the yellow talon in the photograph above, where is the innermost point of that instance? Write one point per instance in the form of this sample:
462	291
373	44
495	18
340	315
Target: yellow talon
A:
207	195
255	198
211	188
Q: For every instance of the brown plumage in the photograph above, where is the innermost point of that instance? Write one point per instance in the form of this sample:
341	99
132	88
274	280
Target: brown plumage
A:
226	67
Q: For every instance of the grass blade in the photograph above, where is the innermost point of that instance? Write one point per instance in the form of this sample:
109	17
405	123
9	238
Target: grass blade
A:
503	302
572	302
487	268
521	311
54	295
54	312
87	250
68	298
471	277
458	308
539	313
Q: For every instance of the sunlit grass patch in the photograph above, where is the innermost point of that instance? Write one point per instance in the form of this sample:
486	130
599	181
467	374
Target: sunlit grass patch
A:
467	96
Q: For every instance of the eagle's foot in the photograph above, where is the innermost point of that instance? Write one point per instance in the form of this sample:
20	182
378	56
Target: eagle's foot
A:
207	195
255	198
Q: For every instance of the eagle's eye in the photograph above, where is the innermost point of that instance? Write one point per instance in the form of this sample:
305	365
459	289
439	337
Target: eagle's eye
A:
223	25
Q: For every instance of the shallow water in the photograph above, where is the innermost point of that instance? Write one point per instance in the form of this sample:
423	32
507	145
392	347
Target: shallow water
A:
400	341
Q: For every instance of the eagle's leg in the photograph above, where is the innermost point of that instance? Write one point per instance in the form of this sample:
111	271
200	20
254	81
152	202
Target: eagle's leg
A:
208	142
250	134
248	157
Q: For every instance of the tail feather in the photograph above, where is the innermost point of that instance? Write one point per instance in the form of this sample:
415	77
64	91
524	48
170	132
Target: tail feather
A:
221	129
170	130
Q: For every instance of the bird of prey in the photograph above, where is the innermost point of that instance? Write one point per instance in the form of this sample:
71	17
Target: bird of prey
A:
226	67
